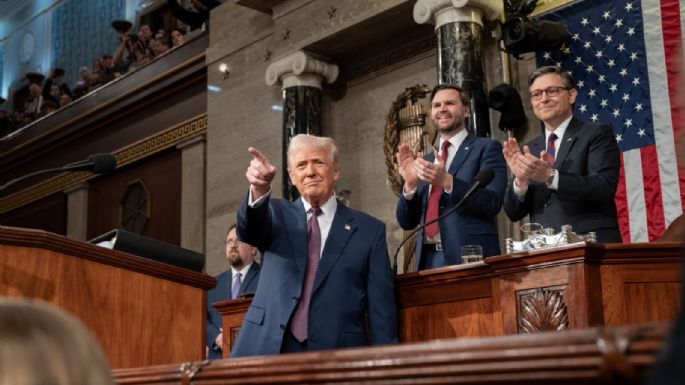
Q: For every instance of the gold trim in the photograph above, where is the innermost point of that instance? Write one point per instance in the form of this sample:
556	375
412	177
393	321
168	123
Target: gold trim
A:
545	6
143	148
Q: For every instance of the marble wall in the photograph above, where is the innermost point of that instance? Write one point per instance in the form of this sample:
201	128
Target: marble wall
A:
244	111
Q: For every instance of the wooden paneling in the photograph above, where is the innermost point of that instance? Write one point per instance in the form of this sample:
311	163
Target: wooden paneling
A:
161	175
595	356
49	214
143	312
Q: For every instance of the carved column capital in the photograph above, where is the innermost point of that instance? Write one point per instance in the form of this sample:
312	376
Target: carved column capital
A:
300	69
441	12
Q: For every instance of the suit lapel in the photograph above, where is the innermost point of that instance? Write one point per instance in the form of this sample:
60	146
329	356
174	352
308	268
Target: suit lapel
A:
462	153
296	225
341	230
249	276
567	141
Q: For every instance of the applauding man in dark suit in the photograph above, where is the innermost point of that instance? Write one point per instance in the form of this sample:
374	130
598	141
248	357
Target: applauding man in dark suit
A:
435	183
326	280
574	178
240	279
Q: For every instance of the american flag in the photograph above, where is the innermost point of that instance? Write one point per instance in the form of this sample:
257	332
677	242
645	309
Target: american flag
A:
625	56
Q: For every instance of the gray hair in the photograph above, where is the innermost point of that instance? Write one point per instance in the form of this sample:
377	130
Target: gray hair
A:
301	141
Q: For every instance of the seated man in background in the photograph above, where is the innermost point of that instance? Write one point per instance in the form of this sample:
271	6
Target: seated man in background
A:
574	179
242	278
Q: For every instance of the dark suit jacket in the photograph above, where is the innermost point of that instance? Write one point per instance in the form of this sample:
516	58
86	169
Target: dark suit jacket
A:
588	163
353	297
222	292
474	223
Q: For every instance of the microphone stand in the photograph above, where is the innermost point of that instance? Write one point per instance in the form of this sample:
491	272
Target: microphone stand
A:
448	212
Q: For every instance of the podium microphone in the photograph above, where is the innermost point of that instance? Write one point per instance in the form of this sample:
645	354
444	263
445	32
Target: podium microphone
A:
97	163
482	179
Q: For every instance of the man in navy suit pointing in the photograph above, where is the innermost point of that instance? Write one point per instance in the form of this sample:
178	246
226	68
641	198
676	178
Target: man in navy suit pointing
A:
325	281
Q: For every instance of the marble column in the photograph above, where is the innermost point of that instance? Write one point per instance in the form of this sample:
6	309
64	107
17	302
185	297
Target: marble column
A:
459	29
193	170
77	212
301	76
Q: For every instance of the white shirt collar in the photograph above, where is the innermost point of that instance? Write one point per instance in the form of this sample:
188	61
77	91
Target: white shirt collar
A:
327	209
456	140
243	271
559	131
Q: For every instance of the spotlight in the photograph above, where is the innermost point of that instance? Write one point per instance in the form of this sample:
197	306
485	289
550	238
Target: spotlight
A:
223	68
521	34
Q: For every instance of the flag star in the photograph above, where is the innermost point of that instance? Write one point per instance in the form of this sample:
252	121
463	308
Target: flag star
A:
575	37
618	138
581	83
599	54
547	55
594	118
565	50
584	21
621	47
633	56
613	88
587	45
583	108
589	69
636	81
558	64
638	107
596	31
631	31
616	113
625	97
606	15
629	6
578	60
641	132
629	122
608	39
592	93
601	78
619	23
623	72
611	63
604	103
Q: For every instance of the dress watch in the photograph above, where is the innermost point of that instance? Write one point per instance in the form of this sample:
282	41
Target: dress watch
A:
550	178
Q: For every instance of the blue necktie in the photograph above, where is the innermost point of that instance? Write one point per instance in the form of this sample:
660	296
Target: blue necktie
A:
551	150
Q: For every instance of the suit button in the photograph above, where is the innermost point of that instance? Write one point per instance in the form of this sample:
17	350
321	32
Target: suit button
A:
282	327
295	299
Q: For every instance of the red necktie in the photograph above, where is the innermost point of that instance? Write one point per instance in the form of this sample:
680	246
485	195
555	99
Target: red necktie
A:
298	325
551	150
434	198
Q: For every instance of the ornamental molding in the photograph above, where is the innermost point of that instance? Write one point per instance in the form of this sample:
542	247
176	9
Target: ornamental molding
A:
143	148
300	69
441	12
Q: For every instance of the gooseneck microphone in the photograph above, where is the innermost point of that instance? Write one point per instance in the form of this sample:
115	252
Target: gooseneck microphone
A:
96	163
482	179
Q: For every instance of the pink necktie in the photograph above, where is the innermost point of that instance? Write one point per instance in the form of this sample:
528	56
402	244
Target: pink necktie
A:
434	198
298	325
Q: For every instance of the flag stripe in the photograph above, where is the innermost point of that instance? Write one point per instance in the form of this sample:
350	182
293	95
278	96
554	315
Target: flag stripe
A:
673	45
622	204
651	180
661	112
635	198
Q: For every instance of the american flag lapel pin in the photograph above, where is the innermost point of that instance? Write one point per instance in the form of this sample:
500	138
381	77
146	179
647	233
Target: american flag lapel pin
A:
348	227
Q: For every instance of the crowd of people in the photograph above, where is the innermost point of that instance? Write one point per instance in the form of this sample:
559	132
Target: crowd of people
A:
47	96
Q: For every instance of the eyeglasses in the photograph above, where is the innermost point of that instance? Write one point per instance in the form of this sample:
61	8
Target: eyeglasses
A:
232	242
550	91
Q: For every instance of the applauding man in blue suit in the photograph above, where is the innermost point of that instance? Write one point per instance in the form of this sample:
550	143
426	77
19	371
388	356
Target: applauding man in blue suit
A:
326	280
433	187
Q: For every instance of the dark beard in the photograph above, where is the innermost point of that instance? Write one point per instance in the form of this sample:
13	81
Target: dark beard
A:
456	126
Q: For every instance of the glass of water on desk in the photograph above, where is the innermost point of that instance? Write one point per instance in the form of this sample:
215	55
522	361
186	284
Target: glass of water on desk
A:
471	253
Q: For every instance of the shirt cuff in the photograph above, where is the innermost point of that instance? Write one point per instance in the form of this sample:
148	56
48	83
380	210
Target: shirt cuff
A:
555	181
409	195
520	192
253	204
